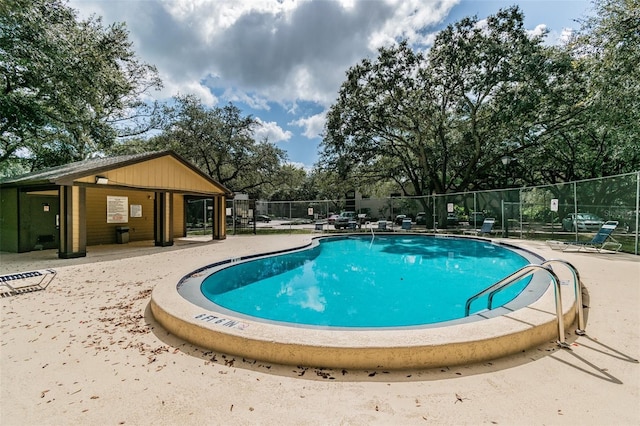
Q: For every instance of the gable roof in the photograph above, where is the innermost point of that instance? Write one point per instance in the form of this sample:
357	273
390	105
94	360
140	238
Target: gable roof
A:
66	174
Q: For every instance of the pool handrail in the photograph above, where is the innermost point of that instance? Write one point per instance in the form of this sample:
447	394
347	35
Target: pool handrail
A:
517	276
373	235
577	286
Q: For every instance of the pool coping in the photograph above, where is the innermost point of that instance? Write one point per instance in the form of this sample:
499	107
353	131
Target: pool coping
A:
395	348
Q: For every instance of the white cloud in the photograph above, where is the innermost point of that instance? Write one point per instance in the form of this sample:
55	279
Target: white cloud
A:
299	165
254	101
565	35
271	131
280	50
408	19
313	125
554	38
172	88
539	30
269	55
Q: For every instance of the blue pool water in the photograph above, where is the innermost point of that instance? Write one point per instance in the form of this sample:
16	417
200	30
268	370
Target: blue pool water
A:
357	281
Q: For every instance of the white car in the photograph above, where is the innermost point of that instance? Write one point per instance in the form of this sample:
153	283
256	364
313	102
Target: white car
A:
581	222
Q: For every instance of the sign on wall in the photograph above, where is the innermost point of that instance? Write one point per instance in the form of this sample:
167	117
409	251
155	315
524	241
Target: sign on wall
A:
117	209
136	210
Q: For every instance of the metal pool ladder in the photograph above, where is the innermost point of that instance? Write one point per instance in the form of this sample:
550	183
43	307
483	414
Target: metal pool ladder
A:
373	235
529	270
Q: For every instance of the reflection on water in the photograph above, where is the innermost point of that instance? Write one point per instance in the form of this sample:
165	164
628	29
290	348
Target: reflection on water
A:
302	290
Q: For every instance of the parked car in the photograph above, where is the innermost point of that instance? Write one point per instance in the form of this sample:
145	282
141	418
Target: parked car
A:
421	218
230	220
581	222
363	218
344	219
263	218
332	219
399	218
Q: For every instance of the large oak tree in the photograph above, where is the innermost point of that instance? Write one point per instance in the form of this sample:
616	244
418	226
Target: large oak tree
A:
441	121
68	87
221	142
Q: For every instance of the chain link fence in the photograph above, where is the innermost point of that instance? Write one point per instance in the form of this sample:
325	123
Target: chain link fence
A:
572	211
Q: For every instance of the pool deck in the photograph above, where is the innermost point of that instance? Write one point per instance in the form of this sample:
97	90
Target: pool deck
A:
88	351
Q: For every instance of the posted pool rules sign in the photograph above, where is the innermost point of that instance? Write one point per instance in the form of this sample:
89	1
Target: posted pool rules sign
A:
117	209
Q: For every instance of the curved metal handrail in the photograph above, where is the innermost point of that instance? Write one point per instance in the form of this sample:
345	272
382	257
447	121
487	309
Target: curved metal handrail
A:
577	285
367	223
517	276
373	235
509	279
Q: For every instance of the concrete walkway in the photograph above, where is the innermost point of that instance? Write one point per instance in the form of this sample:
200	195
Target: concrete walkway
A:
87	351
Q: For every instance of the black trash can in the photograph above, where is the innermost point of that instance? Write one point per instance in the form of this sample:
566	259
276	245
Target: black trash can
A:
122	234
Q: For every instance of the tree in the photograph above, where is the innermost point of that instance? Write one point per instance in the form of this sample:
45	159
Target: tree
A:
601	88
442	121
220	142
608	47
329	185
292	184
69	87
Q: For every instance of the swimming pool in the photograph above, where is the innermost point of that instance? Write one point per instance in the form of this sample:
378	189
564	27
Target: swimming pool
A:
526	321
360	281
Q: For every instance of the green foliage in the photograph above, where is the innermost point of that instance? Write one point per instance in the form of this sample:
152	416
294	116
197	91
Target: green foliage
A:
292	184
443	120
440	122
597	98
220	142
608	46
535	204
69	87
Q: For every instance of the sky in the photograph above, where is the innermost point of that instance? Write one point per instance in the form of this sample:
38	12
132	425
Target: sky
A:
283	61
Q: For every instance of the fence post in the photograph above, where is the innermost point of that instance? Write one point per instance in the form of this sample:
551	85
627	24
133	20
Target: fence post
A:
505	230
435	213
520	210
637	209
475	204
575	208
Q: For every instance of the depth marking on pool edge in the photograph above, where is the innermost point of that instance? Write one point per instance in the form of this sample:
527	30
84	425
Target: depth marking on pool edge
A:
224	322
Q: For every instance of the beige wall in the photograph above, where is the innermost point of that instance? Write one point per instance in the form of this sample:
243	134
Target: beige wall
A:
140	228
164	173
101	232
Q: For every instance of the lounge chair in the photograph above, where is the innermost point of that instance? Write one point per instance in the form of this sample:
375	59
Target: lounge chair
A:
25	282
487	227
603	240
